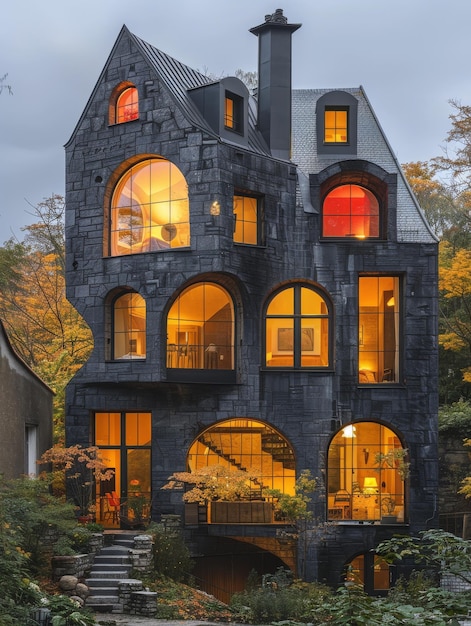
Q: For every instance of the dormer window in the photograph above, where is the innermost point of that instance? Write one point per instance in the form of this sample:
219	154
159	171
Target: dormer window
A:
233	112
336	125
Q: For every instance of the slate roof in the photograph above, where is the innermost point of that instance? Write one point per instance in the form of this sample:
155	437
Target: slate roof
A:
372	143
179	79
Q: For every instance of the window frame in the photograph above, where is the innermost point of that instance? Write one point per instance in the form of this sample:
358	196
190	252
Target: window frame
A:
147	210
351	215
337	109
116	94
259	218
124	359
297	317
234	121
352	458
391	360
209	370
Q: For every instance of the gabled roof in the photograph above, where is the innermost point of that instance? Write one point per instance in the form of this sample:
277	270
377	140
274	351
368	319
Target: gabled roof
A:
15	361
179	80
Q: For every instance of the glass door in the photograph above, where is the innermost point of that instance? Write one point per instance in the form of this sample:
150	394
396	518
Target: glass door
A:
124	440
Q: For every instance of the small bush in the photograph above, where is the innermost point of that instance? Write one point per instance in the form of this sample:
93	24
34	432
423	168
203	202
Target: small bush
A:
171	556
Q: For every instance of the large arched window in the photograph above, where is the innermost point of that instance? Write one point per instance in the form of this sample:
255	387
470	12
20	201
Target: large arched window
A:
149	209
297	328
201	328
367	467
350	211
129	326
255	447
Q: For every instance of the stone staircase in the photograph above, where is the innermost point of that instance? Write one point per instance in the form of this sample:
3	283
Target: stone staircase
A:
110	569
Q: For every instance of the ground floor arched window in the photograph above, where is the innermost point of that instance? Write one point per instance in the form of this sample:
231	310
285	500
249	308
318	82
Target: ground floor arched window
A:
367	468
248	445
369	571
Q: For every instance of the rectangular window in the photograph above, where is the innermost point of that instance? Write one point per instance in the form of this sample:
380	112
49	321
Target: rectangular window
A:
246	217
335	125
233	112
378	329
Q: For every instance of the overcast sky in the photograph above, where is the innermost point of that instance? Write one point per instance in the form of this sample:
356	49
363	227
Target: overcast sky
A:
411	57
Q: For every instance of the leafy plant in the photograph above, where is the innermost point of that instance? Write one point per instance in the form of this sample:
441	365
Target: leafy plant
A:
440	551
295	507
395	458
214	482
171	555
81	468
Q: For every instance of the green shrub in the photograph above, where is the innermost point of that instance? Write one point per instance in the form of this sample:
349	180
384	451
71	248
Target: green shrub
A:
171	555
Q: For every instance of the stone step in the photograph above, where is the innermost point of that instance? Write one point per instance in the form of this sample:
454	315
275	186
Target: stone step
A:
109	574
102	582
102	592
112	559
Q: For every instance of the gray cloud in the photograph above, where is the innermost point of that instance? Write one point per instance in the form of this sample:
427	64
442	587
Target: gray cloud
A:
411	56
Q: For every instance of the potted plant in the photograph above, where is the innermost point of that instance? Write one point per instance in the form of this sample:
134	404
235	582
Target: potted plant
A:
227	491
388	506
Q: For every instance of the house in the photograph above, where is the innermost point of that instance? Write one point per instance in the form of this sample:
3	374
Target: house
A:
261	285
25	414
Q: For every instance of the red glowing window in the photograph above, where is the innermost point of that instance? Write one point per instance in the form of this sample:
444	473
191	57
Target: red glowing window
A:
127	106
350	211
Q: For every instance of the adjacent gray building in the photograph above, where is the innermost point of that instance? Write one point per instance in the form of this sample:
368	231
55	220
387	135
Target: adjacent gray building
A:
25	414
261	285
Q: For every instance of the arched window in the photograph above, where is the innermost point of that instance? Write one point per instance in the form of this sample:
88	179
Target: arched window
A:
350	211
127	105
369	571
367	468
123	104
129	327
297	329
257	448
201	328
149	209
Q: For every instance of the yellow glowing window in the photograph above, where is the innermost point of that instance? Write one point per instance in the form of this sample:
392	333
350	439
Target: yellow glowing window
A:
200	329
127	106
297	329
130	327
350	211
233	112
335	126
150	209
378	330
249	444
359	486
246	220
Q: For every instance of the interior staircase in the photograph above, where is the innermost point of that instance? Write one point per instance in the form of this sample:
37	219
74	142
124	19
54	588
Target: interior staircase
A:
111	566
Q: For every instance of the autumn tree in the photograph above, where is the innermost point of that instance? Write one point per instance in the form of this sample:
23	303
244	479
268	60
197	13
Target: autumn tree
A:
45	330
443	213
456	161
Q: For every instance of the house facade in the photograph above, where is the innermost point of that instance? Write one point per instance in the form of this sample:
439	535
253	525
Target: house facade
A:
261	285
25	414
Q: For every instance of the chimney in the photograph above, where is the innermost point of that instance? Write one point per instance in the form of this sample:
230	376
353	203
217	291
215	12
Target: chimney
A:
274	82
